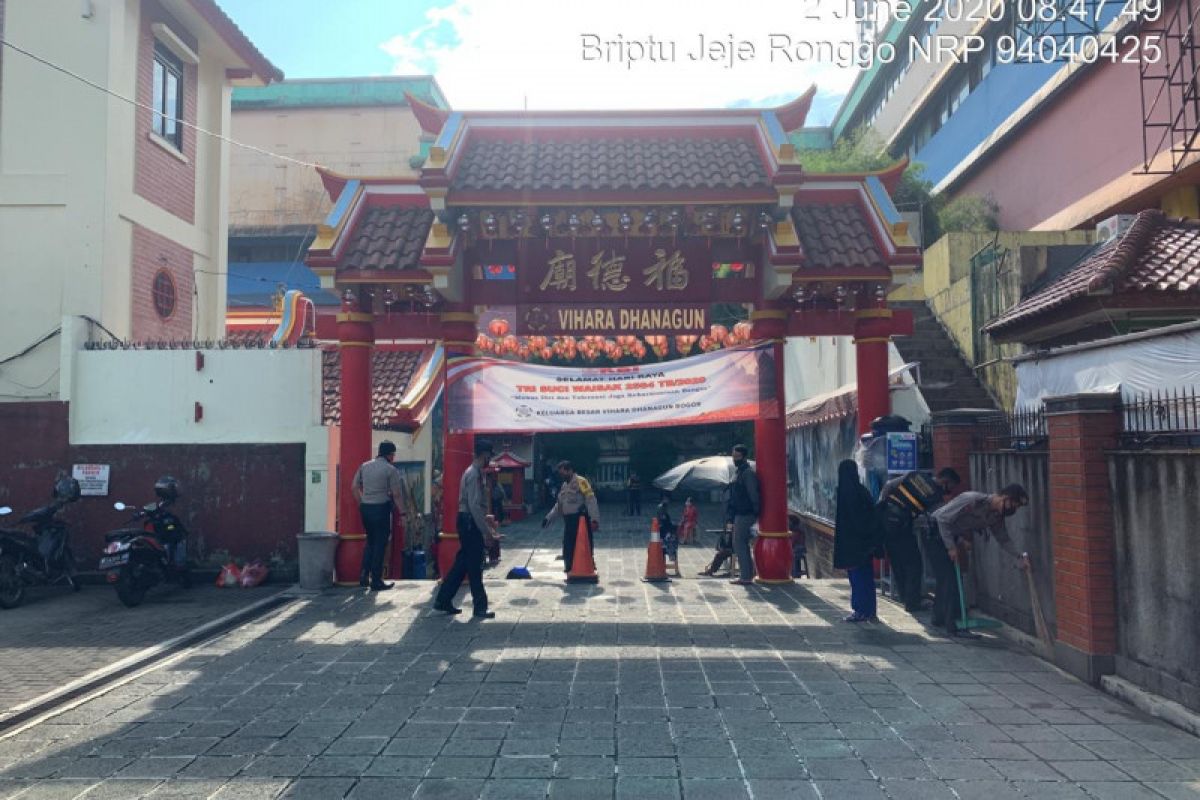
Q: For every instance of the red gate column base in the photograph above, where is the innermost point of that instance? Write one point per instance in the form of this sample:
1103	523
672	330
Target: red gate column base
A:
773	557
448	547
347	562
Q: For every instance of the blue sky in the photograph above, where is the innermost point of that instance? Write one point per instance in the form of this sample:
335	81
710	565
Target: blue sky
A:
531	53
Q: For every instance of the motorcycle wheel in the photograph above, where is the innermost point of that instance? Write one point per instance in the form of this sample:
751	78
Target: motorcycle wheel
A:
12	591
130	591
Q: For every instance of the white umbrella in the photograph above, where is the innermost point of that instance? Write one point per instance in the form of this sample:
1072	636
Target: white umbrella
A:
711	472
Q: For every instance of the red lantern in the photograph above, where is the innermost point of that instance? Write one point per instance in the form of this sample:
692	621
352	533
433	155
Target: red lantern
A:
719	333
498	327
743	330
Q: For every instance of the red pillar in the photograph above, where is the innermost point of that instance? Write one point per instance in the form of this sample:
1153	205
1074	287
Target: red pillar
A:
872	332
1082	429
458	337
356	339
773	547
954	437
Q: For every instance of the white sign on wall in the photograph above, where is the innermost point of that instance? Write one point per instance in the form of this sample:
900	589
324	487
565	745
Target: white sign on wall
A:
93	479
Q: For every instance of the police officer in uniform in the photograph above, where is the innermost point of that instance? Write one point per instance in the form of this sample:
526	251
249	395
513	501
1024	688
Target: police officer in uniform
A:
471	523
575	500
378	488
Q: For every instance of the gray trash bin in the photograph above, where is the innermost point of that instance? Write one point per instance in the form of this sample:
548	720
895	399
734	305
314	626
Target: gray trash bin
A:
317	549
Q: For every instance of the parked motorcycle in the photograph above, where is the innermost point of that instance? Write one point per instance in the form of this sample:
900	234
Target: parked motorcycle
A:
42	556
155	551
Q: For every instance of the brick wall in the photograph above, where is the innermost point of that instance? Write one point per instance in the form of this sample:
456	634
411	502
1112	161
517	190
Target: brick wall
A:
150	254
1082	429
243	500
159	176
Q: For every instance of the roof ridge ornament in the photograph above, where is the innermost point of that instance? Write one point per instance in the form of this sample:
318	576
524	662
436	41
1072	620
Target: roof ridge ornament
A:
792	115
431	118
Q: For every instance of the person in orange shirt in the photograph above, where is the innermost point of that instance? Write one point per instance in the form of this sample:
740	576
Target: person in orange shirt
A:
691	521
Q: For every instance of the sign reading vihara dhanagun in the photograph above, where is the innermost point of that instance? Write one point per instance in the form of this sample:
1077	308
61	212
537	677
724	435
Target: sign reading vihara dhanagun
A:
486	395
610	286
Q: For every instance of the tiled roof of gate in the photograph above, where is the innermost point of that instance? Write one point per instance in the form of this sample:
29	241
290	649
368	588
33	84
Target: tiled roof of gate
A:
611	163
391	373
836	235
1157	256
388	237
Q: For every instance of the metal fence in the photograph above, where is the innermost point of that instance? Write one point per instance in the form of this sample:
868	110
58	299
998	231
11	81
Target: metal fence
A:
1022	430
1168	418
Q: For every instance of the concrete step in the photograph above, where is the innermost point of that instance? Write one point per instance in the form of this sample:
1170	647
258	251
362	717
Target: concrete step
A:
947	381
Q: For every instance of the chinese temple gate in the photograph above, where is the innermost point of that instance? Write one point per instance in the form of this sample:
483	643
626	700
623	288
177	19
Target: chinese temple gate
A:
610	224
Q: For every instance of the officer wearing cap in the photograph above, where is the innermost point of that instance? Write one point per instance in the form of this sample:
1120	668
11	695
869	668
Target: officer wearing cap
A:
377	487
575	500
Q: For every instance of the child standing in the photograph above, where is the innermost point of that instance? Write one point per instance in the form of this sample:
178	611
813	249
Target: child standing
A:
691	522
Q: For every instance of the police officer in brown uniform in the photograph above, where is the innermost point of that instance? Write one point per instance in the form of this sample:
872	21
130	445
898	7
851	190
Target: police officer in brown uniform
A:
378	489
575	500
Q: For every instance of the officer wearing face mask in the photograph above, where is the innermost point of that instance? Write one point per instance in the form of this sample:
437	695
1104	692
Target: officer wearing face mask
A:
957	521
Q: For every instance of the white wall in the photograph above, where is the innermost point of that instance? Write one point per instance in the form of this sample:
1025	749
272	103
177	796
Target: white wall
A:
827	363
53	165
67	204
248	397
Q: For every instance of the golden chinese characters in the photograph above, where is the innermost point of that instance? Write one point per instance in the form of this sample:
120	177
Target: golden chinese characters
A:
560	272
608	273
667	273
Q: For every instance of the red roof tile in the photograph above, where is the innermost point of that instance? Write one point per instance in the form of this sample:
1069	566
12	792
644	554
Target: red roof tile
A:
388	237
391	373
836	236
1155	257
611	163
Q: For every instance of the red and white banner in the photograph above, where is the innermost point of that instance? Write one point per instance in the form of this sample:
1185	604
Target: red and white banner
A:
487	395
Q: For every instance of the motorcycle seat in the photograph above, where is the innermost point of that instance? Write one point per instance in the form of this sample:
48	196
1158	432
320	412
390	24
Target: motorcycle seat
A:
40	514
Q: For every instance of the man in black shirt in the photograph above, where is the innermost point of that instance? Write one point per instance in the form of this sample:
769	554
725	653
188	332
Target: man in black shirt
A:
741	512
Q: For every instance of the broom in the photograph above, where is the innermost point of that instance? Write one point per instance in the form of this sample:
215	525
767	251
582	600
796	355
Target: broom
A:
521	573
1039	619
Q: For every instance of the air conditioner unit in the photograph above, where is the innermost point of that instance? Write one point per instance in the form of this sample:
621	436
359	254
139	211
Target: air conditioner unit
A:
1113	227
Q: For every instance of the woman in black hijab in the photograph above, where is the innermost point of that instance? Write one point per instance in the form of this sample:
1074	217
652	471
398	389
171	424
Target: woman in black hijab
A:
856	539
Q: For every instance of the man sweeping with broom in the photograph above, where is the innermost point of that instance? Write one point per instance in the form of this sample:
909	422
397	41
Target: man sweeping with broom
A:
956	524
575	499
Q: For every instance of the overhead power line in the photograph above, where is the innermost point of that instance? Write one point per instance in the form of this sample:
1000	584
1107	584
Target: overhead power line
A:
132	102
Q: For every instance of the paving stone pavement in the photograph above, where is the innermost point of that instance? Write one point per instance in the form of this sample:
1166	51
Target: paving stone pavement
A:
693	689
58	636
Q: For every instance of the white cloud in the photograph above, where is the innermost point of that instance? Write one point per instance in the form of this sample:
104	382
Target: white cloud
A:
490	54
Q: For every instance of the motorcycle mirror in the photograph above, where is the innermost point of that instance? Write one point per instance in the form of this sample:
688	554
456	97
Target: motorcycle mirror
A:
5	510
119	506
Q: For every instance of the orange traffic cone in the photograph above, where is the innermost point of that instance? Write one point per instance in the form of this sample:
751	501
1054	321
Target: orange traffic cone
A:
656	564
583	568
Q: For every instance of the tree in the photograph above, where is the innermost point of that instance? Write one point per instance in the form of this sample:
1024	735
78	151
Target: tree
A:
970	213
863	151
